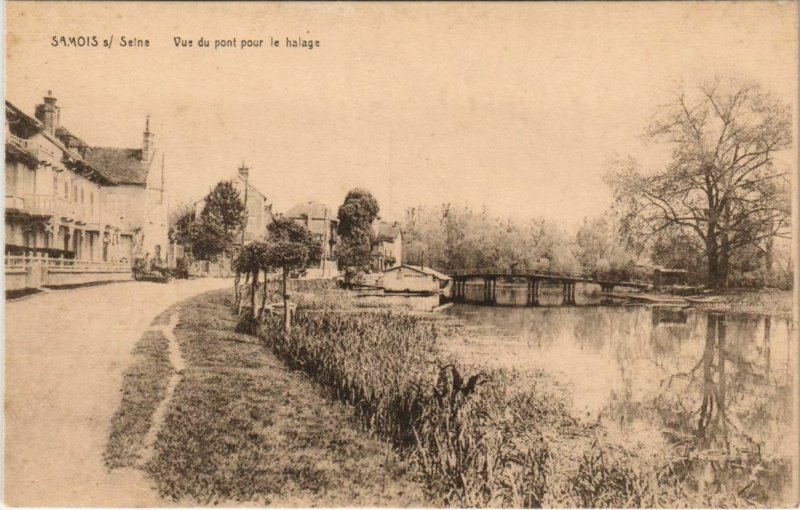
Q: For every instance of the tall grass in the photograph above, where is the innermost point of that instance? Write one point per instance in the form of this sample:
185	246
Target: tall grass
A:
480	438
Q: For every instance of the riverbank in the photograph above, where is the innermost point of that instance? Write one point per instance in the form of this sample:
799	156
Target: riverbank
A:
242	428
776	303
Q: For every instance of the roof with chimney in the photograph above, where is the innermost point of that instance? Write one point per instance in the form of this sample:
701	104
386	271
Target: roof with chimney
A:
388	231
123	166
24	125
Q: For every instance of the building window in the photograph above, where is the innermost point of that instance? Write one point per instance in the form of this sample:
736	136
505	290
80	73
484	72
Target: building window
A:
66	190
75	193
81	195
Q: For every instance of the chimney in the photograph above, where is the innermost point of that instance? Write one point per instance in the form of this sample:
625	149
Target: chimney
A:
244	172
147	142
47	113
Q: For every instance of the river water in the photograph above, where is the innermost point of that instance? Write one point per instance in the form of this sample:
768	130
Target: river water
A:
651	375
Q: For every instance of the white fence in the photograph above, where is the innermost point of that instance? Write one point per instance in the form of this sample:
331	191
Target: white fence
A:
34	271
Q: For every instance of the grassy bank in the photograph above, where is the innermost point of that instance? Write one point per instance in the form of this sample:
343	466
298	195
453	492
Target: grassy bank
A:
243	428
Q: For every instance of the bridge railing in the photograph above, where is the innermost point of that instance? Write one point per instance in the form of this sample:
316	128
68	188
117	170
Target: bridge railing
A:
527	272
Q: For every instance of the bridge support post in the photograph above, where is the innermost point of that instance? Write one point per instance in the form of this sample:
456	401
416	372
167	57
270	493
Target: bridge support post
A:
529	293
568	293
533	292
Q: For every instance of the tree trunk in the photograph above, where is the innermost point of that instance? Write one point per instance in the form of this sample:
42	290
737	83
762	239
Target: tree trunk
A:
712	254
236	294
264	297
724	268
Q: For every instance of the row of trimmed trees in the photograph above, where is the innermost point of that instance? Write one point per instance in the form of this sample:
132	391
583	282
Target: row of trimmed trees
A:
289	247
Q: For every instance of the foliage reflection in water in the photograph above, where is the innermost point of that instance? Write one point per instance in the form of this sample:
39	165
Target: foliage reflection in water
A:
719	387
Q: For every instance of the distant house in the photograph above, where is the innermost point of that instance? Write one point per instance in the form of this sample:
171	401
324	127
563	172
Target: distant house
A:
388	251
259	210
322	222
408	278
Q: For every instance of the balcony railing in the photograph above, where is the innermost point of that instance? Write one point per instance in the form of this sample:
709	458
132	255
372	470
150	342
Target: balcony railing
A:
30	203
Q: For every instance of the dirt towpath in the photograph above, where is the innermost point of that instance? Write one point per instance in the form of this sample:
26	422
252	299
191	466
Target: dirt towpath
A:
65	353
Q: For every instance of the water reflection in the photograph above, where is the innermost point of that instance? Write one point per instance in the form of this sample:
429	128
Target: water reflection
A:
719	386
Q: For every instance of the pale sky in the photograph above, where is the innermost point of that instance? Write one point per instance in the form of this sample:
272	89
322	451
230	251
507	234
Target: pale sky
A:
516	106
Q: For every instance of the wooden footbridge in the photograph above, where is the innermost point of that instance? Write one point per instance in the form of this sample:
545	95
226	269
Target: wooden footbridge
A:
534	278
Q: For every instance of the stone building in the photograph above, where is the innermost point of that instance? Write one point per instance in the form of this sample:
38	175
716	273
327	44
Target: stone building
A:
55	213
138	174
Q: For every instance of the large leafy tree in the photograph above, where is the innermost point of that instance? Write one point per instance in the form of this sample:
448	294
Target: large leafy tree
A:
214	230
356	216
290	247
225	208
722	186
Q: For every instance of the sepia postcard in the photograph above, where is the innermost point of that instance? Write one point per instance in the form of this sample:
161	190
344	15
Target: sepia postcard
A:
467	254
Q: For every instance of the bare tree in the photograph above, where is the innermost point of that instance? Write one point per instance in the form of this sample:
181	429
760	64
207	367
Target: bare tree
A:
721	184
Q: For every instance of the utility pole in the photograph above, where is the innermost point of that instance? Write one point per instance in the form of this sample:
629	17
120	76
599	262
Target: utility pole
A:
162	179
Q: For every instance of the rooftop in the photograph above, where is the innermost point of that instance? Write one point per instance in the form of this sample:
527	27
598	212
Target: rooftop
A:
422	269
123	166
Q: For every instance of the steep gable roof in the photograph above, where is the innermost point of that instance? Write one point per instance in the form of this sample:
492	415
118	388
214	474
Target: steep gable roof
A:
124	166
